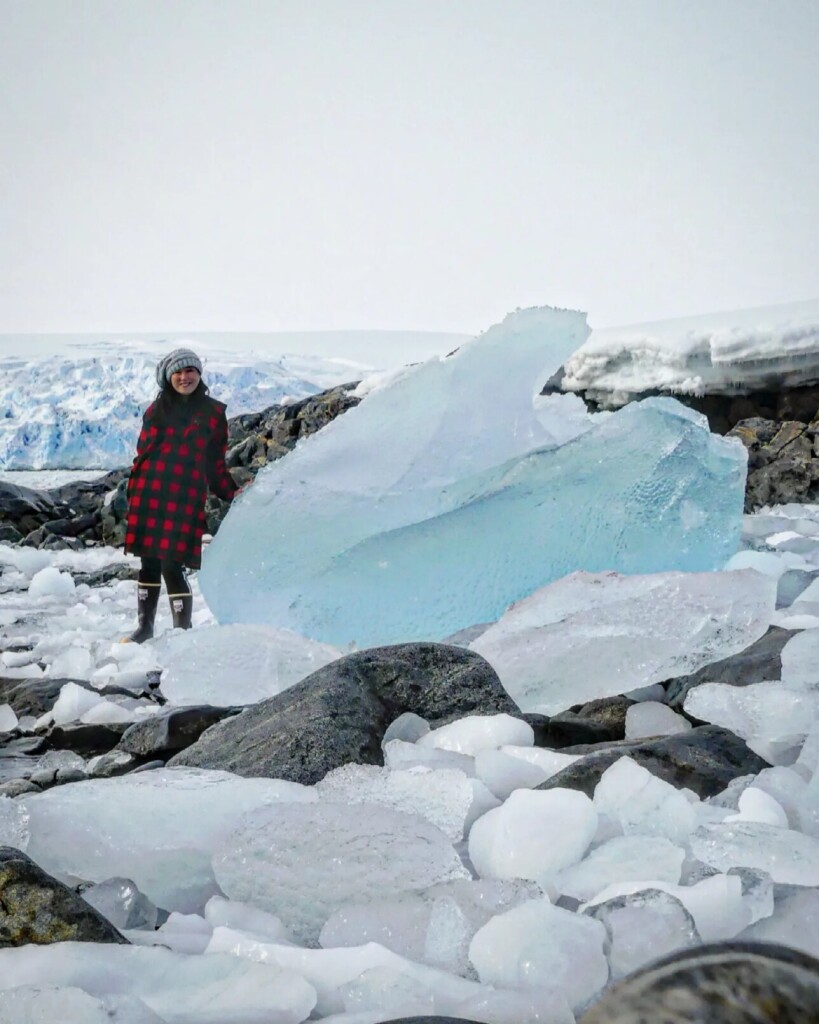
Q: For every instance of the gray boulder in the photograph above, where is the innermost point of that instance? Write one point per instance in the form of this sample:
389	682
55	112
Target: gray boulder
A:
34	907
725	983
704	760
339	714
170	731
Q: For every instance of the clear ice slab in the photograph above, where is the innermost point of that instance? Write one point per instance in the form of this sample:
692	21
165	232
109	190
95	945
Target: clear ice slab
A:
454	491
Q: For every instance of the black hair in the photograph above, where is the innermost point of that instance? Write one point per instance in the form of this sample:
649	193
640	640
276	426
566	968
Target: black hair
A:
171	407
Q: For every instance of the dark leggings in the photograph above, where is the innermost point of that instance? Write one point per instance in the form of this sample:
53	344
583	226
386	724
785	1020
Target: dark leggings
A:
154	569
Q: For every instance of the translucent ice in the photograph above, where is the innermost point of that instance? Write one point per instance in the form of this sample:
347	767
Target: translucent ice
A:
643	927
474	733
502	773
73	702
794	922
179	989
536	943
303	862
122	903
222	913
384	527
8	719
445	797
595	635
227	665
35	1004
400	754
642	804
158	828
624	858
800	660
504	1006
50	582
787	856
533	835
757	805
772	718
650	718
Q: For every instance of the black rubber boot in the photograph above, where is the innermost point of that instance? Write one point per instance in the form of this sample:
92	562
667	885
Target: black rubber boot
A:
148	600
181	610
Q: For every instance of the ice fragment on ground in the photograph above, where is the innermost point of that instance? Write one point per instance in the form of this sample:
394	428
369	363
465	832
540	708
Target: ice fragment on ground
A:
75	663
537	942
594	635
121	902
74	701
643	927
408	727
787	856
653	719
399	754
446	798
35	1004
158	828
240	664
800	660
757	805
184	933
8	718
763	561
622	859
475	733
533	835
503	773
773	719
303	862
179	989
757	892
642	804
222	913
389	991
503	1006
50	582
14	824
716	903
794	922
400	925
327	970
387	523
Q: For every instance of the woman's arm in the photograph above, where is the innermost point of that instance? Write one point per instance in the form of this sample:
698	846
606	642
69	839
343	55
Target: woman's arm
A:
220	481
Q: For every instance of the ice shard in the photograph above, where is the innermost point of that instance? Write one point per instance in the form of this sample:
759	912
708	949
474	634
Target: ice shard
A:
455	490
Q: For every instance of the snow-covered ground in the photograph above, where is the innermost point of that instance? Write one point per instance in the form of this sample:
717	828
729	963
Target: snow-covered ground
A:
77	402
720	353
485	914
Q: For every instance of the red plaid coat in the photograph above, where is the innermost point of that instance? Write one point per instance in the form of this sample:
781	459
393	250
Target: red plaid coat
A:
174	466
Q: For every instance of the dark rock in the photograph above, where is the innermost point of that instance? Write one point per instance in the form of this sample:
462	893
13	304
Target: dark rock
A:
108	574
117	762
758	663
17	787
596	722
36	908
793	583
340	713
781	461
9	534
723	983
66	775
171	731
148	767
36	696
26	509
87	739
704	760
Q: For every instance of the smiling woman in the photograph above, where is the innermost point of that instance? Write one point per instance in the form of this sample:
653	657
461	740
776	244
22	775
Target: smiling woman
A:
180	456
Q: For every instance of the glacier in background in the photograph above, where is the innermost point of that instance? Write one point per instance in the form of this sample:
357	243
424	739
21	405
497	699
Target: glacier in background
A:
456	489
718	353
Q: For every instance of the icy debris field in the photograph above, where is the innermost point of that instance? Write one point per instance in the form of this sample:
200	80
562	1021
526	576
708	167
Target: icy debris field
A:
444	882
479	492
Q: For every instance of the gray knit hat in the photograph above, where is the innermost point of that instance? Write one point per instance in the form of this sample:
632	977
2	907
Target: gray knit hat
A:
177	360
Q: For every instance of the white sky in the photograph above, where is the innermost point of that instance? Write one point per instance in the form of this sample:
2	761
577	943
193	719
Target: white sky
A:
268	165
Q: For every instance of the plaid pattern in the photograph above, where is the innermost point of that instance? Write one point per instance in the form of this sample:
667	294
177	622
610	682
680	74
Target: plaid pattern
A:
174	466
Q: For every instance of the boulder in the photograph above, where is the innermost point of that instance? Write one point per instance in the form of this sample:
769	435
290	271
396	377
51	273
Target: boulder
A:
760	662
25	509
85	738
339	714
36	908
598	721
171	731
723	983
704	760
782	463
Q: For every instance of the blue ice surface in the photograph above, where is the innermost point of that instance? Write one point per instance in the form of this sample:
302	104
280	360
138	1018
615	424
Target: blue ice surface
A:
445	497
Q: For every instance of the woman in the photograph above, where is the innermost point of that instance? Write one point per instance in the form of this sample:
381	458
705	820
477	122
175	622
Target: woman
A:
180	454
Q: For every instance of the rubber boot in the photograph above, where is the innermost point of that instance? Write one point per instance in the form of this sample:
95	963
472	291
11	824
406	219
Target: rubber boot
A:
181	610
148	599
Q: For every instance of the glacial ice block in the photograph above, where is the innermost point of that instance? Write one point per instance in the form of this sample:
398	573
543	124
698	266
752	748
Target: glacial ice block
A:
452	492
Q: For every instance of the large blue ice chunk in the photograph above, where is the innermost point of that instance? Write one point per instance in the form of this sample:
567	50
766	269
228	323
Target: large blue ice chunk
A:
452	492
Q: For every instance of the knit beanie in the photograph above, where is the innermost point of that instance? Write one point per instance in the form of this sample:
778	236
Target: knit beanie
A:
176	360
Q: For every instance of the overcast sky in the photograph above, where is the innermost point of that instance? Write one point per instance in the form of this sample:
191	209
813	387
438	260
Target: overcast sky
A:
173	165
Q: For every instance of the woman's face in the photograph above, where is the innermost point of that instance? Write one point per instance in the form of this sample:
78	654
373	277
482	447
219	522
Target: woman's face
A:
186	380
